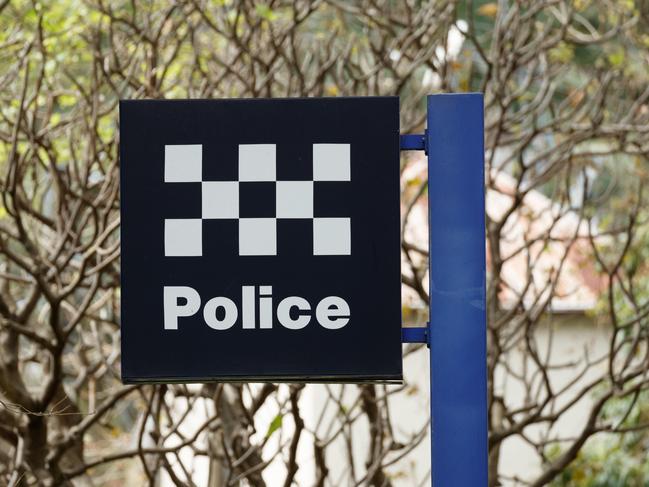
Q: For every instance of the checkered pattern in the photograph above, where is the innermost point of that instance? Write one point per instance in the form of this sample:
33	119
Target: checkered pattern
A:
221	200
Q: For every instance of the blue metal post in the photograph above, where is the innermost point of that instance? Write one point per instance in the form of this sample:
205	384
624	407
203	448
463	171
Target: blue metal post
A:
457	327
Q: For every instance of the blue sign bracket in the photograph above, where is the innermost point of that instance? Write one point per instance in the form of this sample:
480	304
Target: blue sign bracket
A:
456	332
413	142
414	334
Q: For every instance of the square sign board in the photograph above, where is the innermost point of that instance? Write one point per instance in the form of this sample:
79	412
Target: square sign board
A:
260	240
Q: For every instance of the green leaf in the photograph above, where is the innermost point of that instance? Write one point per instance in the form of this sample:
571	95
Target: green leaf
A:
562	53
274	425
616	58
265	12
66	101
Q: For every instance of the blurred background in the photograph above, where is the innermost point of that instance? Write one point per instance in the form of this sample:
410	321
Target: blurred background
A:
566	150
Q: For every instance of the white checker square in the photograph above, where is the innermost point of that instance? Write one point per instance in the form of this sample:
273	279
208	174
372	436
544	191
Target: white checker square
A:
332	236
257	162
220	199
183	163
257	236
183	237
331	162
294	199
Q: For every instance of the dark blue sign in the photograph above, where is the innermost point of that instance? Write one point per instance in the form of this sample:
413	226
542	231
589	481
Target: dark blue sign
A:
260	240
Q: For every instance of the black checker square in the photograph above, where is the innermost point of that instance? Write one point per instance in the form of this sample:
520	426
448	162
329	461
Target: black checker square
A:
294	161
295	237
220	237
260	240
180	200
331	198
218	162
257	199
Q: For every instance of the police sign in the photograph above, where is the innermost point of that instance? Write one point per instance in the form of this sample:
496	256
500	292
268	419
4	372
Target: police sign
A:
260	240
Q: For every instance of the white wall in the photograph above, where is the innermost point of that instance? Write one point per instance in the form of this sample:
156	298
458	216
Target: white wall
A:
570	336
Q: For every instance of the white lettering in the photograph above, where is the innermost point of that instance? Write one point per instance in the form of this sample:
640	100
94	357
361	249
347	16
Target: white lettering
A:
284	312
229	308
248	305
172	311
265	307
332	307
222	313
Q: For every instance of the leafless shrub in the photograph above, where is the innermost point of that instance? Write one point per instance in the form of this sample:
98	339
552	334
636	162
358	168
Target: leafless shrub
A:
566	101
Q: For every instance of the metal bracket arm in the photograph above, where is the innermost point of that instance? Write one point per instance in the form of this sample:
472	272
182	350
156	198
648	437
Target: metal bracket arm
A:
413	142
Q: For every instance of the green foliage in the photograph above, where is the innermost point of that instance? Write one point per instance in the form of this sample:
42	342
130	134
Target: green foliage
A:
274	425
265	12
613	460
